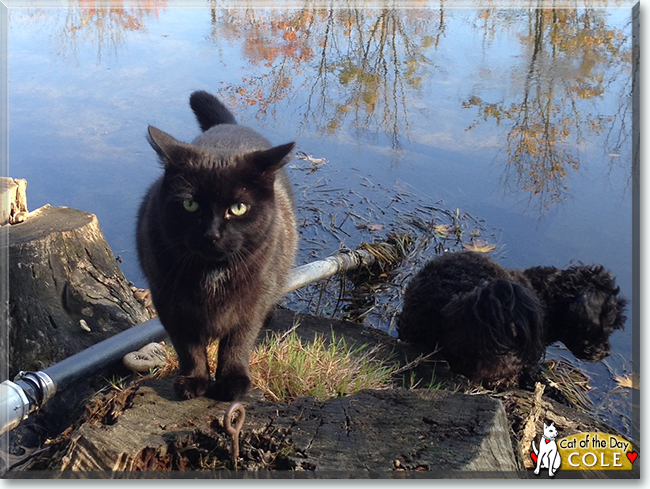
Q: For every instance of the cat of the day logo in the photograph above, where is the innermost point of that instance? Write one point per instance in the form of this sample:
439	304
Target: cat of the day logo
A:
581	451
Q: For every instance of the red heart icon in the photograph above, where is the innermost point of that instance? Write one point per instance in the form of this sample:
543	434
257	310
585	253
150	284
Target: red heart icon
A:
534	457
631	456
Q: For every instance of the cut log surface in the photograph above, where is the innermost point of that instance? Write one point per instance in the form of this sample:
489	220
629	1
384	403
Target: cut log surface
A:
66	290
386	433
13	200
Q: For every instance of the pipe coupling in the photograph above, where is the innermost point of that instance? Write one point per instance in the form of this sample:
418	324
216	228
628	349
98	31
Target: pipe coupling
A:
39	386
14	406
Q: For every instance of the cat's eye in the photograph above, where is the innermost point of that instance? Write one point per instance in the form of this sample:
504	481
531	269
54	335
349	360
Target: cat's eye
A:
238	209
190	205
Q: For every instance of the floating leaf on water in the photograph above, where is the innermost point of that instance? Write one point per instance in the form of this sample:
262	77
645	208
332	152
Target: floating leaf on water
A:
314	161
479	246
443	230
375	227
627	382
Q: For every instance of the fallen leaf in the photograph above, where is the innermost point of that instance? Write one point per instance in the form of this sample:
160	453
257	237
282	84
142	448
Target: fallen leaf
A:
628	382
479	246
443	230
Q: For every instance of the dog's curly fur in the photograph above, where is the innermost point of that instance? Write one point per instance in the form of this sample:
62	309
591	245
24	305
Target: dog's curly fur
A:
492	323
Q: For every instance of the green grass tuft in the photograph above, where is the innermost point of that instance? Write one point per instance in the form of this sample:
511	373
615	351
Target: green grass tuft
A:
284	367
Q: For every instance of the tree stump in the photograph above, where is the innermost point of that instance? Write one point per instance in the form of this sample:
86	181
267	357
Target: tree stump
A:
13	200
66	290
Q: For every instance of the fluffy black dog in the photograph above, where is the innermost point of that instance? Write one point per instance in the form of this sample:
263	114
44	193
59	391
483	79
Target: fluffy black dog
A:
491	323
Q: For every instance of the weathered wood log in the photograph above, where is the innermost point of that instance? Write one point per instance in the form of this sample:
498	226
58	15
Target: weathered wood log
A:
57	415
388	433
66	290
393	433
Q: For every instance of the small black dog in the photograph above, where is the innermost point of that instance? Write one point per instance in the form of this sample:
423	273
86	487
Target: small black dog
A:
492	323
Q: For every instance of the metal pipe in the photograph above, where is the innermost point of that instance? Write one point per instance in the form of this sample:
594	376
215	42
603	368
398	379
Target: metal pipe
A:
104	353
31	390
327	267
15	406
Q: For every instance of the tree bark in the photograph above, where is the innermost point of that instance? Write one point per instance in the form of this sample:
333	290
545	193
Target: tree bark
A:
66	291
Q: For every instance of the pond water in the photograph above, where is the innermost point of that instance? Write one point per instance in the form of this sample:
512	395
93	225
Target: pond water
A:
513	125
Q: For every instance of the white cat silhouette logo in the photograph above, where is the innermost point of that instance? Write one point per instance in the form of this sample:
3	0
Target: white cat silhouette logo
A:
547	457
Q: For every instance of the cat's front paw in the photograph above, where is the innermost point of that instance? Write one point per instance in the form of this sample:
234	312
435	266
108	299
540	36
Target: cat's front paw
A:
230	388
190	387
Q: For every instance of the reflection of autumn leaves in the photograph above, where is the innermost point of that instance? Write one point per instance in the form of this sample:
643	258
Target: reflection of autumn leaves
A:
548	125
356	63
105	22
539	145
115	13
253	92
268	40
281	46
263	51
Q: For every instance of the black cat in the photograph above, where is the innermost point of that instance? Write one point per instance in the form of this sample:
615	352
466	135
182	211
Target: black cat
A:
216	240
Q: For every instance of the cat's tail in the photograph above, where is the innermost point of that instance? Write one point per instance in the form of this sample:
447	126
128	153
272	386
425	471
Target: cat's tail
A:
535	451
209	111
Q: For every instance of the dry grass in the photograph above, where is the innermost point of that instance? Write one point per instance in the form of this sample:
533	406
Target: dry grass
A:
570	380
284	367
628	381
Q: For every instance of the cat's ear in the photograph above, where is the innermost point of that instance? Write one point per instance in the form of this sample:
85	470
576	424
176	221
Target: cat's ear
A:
163	144
270	160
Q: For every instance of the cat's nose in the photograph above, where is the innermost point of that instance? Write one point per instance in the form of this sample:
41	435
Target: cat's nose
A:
212	234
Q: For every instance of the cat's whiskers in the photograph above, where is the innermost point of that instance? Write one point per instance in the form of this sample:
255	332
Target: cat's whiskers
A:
238	266
200	293
248	262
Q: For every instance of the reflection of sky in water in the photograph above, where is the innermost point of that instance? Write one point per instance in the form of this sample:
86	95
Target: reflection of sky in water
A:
78	113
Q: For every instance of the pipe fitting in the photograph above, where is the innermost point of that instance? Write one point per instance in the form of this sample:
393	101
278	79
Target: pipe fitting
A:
14	406
38	385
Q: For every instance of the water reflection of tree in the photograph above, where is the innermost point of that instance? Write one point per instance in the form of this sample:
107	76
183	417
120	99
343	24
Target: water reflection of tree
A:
102	23
574	57
358	66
